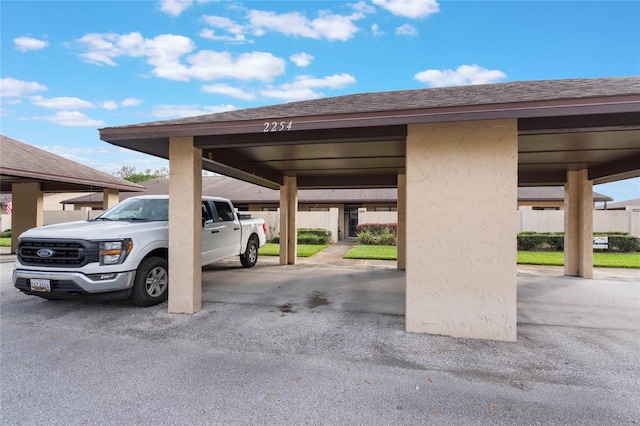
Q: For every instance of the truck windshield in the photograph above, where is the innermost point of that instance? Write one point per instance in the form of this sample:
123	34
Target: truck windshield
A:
133	209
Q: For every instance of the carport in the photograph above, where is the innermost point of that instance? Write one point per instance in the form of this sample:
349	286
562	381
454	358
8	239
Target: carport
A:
29	172
468	148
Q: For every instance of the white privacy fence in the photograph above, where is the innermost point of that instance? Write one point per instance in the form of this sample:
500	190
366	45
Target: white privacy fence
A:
603	220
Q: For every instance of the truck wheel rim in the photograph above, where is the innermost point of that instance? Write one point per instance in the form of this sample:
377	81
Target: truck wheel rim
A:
253	253
156	282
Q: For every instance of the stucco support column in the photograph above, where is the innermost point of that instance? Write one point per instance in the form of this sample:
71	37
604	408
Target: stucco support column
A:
288	215
27	209
110	198
402	219
185	226
461	229
578	225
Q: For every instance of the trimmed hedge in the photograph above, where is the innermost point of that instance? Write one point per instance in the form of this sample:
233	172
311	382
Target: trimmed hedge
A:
618	241
379	234
6	233
315	236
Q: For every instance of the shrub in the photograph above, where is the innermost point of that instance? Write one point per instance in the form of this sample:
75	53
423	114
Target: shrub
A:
625	243
315	236
6	233
387	239
310	236
366	238
618	241
383	234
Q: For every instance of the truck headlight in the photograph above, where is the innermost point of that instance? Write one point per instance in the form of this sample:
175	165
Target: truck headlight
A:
114	252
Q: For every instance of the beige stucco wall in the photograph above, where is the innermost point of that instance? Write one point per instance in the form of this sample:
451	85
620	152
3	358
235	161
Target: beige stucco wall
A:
578	224
185	226
323	220
27	200
52	200
369	216
461	245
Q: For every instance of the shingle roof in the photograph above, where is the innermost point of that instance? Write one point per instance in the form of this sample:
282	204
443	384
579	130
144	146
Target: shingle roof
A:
20	160
551	193
247	193
621	205
444	97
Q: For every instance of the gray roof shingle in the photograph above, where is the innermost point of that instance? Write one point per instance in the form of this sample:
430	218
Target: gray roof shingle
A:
431	98
21	160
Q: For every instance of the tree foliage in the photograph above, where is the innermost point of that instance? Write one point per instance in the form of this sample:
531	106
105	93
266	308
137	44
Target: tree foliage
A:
132	175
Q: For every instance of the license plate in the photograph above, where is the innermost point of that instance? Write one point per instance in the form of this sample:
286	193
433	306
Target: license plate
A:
40	285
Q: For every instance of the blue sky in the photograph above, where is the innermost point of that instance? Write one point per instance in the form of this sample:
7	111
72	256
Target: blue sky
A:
69	68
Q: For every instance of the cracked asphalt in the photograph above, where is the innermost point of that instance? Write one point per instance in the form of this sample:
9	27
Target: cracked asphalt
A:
319	344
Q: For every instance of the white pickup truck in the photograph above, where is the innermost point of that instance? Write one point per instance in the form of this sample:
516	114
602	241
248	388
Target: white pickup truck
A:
124	251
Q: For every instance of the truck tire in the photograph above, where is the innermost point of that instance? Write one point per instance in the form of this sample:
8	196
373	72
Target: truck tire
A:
250	256
151	284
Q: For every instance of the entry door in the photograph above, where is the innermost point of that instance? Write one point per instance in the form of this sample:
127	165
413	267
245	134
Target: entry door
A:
352	221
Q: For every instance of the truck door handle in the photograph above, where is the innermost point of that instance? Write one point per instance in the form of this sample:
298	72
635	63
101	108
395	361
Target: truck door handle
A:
235	229
215	231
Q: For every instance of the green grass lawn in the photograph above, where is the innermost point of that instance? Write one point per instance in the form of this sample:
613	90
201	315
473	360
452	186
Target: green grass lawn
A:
304	250
372	252
5	242
602	260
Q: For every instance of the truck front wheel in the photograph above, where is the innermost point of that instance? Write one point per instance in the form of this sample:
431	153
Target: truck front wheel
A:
151	284
250	255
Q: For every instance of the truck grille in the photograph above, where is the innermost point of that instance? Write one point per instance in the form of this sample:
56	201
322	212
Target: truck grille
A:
73	253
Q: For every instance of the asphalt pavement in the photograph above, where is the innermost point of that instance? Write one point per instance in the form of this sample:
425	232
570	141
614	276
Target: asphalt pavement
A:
319	343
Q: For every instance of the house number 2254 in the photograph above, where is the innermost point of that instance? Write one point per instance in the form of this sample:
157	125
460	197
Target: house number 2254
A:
276	126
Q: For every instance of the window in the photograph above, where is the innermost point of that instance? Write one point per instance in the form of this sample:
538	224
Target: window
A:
206	214
224	211
386	209
545	208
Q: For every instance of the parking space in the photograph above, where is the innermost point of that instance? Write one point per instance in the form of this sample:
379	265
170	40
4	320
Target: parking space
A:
319	344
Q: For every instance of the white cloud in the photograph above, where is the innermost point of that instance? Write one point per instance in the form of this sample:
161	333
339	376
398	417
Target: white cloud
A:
335	81
210	65
129	102
464	75
110	105
407	30
178	111
211	35
175	7
29	43
363	7
303	87
235	30
290	95
409	8
301	59
64	103
327	26
71	119
165	53
225	89
375	30
11	88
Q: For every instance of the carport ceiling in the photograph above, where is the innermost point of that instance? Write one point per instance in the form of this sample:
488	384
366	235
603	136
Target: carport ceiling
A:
360	140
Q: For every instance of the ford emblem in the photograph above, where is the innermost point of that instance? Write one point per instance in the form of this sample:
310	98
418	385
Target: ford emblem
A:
45	253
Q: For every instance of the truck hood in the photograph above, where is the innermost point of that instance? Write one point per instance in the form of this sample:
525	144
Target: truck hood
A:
92	229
